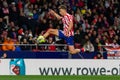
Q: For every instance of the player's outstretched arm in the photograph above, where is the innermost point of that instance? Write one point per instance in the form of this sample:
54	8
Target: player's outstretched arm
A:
55	14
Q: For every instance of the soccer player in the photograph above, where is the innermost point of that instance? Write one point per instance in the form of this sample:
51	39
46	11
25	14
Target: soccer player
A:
68	32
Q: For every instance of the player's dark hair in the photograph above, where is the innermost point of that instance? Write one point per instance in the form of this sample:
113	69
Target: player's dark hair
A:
62	7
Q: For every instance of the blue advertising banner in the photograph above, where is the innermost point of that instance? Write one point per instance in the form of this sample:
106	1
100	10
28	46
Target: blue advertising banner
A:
50	55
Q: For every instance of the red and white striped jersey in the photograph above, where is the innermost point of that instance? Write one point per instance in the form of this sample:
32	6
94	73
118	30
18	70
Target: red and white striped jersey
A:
66	20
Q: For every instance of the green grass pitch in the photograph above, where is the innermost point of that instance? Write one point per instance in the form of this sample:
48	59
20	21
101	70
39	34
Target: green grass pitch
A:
59	77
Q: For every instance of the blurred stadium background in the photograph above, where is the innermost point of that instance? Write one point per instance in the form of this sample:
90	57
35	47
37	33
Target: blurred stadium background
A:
96	26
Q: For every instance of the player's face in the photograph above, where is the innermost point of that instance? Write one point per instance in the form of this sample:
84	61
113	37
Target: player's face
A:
61	11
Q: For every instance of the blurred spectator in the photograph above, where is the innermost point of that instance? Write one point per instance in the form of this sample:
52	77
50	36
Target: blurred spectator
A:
88	46
3	26
17	47
14	14
35	15
115	44
8	45
11	25
77	37
20	31
97	45
51	47
32	24
93	36
85	40
4	55
20	4
111	31
106	24
107	43
5	11
78	15
24	45
98	56
80	3
117	38
13	33
103	40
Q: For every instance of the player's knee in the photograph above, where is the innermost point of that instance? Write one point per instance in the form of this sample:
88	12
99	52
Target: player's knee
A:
72	52
49	30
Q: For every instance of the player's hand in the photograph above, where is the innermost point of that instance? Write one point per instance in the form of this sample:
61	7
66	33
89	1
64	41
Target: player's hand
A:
51	12
66	34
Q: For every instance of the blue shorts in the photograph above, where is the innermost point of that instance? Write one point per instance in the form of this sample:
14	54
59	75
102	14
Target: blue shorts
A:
69	40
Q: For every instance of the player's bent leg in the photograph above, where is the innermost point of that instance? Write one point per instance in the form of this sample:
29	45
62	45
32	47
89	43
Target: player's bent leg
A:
54	32
51	31
41	39
72	50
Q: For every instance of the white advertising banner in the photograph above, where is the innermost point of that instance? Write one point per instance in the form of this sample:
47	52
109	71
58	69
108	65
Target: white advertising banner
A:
4	66
63	67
